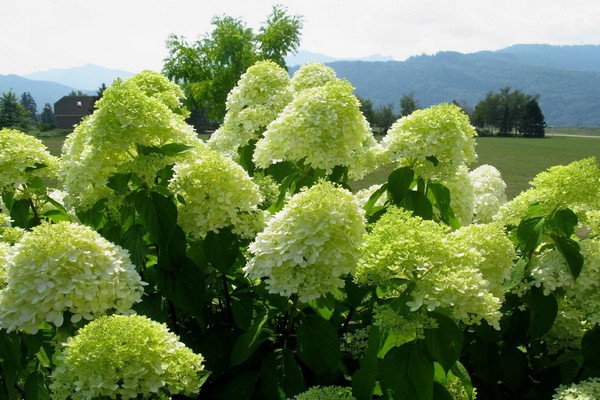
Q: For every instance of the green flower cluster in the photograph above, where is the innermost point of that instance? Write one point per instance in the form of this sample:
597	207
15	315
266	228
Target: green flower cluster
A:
134	118
444	269
4	247
217	193
573	186
312	75
588	389
309	244
23	158
126	357
321	128
489	192
434	141
62	268
325	393
260	95
462	195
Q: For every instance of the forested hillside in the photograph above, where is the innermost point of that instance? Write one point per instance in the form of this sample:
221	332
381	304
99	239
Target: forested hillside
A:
569	86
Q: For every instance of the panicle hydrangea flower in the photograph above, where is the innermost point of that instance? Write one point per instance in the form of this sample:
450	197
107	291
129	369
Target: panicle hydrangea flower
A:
21	158
4	248
497	250
434	141
260	95
126	357
489	192
573	186
131	115
593	222
5	219
217	193
569	327
11	234
66	267
588	389
309	244
462	195
325	393
404	328
312	75
445	272
321	128
355	343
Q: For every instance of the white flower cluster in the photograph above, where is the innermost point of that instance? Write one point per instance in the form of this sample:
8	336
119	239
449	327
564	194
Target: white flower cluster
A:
434	141
217	193
125	357
309	244
462	195
489	192
322	128
260	95
62	268
588	389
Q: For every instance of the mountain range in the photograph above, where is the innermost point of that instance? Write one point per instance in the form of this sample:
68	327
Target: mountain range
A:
566	78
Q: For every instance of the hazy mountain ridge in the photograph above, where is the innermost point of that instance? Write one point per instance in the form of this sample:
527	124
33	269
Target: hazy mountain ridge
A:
88	77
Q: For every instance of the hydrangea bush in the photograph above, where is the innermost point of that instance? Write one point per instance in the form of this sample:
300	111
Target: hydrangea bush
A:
161	266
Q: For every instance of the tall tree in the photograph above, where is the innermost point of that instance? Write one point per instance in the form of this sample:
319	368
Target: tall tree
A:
533	122
47	115
366	107
29	105
209	68
408	104
12	113
384	118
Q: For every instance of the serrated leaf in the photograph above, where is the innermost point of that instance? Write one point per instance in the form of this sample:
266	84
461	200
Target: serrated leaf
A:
324	306
530	232
248	342
543	311
399	183
133	240
221	249
445	341
570	249
159	215
319	345
119	182
564	221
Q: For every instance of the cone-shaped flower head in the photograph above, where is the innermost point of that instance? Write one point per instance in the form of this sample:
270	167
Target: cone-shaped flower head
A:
22	158
489	192
321	128
309	244
127	132
260	95
588	389
445	271
126	357
62	268
217	193
434	141
312	75
461	195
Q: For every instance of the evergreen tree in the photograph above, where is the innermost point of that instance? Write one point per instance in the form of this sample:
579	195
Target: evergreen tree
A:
12	113
47	115
533	122
408	104
30	106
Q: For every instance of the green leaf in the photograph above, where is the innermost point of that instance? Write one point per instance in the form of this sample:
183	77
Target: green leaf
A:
590	347
57	215
35	166
173	149
407	373
514	367
564	221
364	380
399	182
543	311
370	204
221	249
461	373
570	249
10	354
35	387
241	387
445	342
159	215
119	182
133	240
440	392
517	274
530	232
245	159
419	204
248	342
324	306
281	375
319	345
19	213
281	170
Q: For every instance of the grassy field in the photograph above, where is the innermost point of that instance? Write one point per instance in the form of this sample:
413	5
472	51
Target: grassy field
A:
573	131
517	159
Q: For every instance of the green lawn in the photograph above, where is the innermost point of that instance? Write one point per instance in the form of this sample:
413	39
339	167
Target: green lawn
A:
517	159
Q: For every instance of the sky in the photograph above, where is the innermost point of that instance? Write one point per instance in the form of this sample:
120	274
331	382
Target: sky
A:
130	35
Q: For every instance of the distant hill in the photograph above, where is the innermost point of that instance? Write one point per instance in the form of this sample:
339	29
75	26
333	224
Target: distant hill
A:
88	77
303	57
567	78
42	91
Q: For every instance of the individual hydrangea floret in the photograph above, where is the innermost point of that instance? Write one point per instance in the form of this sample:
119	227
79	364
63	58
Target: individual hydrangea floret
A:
65	267
260	95
325	393
588	389
22	158
126	357
134	120
445	272
312	75
321	128
308	245
217	193
434	141
573	186
489	192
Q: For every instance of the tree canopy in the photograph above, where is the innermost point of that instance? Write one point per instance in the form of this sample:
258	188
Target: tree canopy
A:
209	68
12	113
